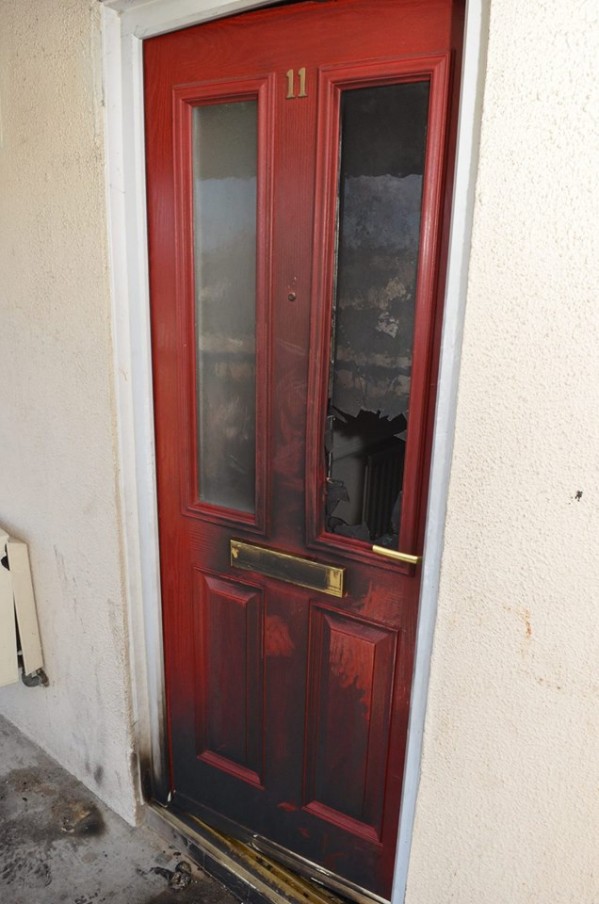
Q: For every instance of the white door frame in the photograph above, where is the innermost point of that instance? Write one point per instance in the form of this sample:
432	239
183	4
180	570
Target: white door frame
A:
125	23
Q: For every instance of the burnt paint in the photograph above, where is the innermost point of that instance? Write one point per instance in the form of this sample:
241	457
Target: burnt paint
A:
278	640
28	834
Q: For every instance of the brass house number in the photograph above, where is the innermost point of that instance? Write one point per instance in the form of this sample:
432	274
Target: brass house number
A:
291	95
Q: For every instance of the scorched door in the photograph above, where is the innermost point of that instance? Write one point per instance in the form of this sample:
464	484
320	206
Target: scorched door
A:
296	171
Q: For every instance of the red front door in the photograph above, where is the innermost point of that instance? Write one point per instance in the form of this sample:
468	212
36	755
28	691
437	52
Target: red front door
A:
296	186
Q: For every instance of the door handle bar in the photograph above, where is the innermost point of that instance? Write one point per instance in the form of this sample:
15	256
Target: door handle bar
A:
398	556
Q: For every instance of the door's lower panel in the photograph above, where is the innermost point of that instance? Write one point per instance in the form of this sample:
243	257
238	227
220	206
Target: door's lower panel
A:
310	769
350	684
228	619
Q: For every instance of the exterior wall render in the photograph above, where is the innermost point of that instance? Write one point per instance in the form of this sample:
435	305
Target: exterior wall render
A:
507	807
59	469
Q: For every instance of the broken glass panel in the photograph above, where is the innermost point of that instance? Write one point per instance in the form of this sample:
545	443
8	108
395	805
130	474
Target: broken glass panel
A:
224	177
383	142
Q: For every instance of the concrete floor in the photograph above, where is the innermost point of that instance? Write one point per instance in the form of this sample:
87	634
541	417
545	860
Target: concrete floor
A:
60	845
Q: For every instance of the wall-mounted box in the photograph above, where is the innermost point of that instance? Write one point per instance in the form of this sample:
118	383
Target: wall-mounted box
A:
19	629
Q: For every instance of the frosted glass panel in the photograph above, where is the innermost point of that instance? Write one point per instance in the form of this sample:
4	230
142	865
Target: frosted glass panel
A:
224	177
383	141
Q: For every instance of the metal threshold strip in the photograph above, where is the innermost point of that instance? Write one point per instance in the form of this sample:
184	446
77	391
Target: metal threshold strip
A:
257	871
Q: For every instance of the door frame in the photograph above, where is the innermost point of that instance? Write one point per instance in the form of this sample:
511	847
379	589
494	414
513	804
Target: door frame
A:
125	24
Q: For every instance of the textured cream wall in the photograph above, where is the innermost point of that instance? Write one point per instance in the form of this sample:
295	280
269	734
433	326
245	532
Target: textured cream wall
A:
508	807
57	431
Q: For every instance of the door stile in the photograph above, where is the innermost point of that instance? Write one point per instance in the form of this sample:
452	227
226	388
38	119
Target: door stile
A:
428	302
333	81
292	215
180	474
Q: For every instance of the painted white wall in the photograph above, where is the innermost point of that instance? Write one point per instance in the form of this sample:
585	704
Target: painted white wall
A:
57	427
508	806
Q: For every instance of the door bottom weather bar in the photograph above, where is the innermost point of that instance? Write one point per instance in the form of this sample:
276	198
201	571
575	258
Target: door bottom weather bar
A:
257	871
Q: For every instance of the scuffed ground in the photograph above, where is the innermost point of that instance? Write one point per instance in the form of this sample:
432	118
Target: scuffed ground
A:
60	845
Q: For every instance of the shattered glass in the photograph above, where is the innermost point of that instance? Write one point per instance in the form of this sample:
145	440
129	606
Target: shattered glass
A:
383	141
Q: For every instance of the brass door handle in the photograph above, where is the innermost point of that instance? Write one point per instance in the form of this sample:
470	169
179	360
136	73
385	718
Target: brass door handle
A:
406	557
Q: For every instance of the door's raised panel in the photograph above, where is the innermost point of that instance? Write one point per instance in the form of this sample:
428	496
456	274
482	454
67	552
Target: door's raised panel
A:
229	688
350	683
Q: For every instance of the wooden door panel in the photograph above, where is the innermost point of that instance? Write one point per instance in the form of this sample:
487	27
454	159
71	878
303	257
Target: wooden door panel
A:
229	684
287	709
350	684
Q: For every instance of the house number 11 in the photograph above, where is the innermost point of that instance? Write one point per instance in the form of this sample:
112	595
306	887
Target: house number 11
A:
291	83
